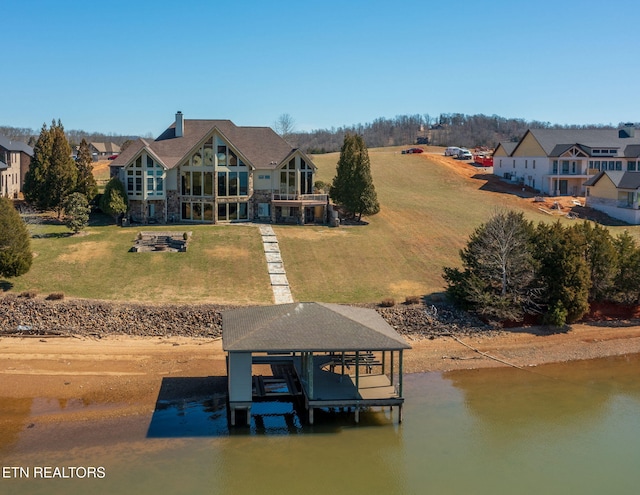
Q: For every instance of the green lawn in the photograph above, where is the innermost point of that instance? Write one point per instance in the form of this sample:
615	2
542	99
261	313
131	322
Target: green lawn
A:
223	265
427	213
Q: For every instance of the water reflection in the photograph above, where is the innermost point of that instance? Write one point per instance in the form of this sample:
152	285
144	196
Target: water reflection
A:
513	403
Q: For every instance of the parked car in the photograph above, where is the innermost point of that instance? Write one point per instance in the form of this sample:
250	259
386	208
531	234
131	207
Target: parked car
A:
464	154
412	150
451	151
112	157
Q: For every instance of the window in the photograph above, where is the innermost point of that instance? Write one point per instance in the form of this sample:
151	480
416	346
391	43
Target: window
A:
233	183
526	164
618	165
233	211
565	166
534	164
555	166
186	183
631	166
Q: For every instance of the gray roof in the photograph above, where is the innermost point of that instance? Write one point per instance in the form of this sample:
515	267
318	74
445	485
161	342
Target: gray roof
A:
622	180
7	144
261	147
555	141
508	146
307	327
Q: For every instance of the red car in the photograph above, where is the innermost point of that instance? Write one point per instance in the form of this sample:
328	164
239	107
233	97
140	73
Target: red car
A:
414	150
112	157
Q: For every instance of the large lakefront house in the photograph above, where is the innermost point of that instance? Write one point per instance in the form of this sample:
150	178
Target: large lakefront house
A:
558	162
212	171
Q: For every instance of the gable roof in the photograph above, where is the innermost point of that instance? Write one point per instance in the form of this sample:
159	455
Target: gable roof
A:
261	146
106	147
620	179
307	327
554	142
7	144
507	146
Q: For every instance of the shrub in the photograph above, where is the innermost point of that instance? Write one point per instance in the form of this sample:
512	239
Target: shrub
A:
412	300
388	302
55	296
557	317
185	236
29	294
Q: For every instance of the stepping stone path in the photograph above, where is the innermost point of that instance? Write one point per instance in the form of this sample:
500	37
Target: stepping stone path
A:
277	274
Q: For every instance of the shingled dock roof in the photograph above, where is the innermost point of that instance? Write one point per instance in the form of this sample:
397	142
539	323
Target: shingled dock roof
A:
308	326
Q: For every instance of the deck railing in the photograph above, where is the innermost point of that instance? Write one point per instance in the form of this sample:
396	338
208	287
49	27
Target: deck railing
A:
299	197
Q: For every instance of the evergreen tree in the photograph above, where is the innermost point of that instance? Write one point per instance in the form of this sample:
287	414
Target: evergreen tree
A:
62	172
35	180
52	174
15	248
627	278
76	212
601	257
563	271
114	200
86	183
352	186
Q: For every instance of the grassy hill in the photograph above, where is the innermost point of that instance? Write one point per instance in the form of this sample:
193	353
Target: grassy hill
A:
429	206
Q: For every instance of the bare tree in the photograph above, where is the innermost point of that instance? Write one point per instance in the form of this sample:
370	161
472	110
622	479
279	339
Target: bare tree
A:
285	126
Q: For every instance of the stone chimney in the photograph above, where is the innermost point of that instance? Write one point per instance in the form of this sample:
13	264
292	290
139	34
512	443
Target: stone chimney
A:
179	124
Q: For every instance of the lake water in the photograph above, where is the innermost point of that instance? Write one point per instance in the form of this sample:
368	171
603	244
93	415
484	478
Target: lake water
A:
557	429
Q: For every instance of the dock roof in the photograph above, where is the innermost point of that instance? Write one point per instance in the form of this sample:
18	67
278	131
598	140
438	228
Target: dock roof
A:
309	326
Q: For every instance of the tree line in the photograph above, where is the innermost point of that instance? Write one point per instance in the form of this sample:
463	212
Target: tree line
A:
512	268
75	137
454	129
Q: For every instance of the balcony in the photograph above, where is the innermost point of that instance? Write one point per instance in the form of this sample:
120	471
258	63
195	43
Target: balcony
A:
305	199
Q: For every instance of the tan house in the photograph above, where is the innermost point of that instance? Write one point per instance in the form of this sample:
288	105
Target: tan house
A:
211	171
15	159
615	193
101	151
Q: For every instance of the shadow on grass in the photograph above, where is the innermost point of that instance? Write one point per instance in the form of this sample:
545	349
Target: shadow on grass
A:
53	235
5	285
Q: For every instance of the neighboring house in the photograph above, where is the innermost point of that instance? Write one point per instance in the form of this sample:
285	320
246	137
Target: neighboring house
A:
212	171
616	193
101	151
15	159
559	161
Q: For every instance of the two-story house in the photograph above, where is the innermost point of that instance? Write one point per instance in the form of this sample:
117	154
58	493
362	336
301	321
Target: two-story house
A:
558	162
102	151
15	159
211	171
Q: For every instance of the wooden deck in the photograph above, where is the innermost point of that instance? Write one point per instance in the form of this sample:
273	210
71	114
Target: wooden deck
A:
331	389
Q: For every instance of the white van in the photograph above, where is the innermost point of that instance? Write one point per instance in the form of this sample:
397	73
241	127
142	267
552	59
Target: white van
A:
451	151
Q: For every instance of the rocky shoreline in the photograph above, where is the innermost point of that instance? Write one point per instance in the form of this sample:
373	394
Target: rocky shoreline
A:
23	316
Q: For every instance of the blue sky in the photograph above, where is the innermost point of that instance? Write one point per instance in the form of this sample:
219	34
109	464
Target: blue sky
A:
126	67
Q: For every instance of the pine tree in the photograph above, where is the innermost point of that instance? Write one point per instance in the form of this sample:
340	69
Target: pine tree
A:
76	212
35	180
15	248
52	174
86	183
563	271
62	172
114	199
352	187
601	257
627	278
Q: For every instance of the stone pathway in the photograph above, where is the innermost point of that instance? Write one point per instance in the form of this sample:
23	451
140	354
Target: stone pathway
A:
277	274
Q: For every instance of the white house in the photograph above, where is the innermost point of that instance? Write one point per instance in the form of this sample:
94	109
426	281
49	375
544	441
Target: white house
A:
558	162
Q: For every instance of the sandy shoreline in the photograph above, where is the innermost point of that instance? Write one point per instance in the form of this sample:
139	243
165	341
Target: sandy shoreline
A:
123	376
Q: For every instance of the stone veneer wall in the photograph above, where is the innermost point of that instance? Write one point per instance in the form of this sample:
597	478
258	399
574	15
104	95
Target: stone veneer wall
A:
173	206
259	196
